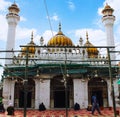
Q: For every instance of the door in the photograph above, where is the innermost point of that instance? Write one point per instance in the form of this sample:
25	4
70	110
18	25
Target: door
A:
99	96
60	99
21	99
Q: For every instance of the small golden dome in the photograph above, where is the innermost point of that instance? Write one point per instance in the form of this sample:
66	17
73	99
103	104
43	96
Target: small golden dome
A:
14	7
60	39
92	52
31	47
107	8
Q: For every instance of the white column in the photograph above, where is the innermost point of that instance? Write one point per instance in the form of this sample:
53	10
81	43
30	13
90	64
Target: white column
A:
116	90
37	93
108	22
109	34
45	93
6	92
109	93
12	19
80	93
11	33
10	39
85	94
11	91
116	93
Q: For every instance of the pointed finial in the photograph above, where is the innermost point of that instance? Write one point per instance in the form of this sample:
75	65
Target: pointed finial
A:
60	32
32	36
87	35
14	8
59	27
81	41
41	40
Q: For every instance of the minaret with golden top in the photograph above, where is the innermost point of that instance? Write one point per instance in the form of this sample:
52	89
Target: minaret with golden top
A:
108	21
12	19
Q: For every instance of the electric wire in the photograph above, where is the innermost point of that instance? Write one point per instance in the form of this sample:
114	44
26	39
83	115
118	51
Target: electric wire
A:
48	16
51	27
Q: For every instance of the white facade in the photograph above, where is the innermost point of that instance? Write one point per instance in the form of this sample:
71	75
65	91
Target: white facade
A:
80	90
42	94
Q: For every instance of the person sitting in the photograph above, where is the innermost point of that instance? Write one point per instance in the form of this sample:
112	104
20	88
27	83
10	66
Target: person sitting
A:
42	107
76	106
10	109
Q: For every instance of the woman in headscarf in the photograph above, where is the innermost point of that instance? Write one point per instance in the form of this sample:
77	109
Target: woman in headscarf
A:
10	109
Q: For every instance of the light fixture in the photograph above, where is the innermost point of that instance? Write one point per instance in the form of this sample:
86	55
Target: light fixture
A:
83	80
96	74
102	80
67	75
62	80
8	76
41	80
37	75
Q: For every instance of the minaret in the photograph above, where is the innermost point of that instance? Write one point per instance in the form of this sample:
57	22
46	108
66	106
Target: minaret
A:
108	21
12	19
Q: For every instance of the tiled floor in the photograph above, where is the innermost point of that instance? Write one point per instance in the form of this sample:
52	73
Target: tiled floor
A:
61	113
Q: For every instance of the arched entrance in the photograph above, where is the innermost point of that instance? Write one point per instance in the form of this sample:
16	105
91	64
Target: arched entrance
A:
58	92
98	86
19	94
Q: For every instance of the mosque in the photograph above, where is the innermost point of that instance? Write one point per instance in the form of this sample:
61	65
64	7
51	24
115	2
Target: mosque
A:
58	74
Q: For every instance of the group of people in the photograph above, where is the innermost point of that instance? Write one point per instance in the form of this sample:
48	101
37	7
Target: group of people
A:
95	106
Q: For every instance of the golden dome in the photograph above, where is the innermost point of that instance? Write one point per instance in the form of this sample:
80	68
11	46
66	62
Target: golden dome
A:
60	39
31	47
92	52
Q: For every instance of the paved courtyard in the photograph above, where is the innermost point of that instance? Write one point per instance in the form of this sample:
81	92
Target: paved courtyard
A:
61	113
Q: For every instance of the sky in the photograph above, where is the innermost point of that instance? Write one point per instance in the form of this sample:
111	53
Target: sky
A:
42	17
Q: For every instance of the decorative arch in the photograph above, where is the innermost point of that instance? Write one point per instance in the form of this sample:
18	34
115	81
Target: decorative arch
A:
58	92
99	87
19	94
